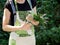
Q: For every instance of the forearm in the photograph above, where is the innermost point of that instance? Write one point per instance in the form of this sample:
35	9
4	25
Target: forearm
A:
10	28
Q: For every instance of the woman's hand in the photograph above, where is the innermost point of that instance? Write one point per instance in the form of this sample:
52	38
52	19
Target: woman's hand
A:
34	22
26	26
30	19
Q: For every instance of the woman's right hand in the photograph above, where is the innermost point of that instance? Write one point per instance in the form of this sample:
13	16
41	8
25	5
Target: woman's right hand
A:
26	26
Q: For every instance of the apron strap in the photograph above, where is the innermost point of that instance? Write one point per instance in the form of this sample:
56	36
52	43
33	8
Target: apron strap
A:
12	6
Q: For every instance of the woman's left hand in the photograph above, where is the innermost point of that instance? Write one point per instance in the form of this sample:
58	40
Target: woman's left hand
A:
30	19
34	22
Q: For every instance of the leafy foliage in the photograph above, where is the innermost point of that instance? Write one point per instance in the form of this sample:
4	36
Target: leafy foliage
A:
48	31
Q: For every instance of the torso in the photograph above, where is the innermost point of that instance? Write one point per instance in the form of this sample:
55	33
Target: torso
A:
21	7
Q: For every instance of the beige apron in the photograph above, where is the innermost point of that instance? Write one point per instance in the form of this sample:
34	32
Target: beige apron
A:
15	39
22	37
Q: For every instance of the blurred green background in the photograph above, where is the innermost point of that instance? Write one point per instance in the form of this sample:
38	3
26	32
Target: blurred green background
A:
48	32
